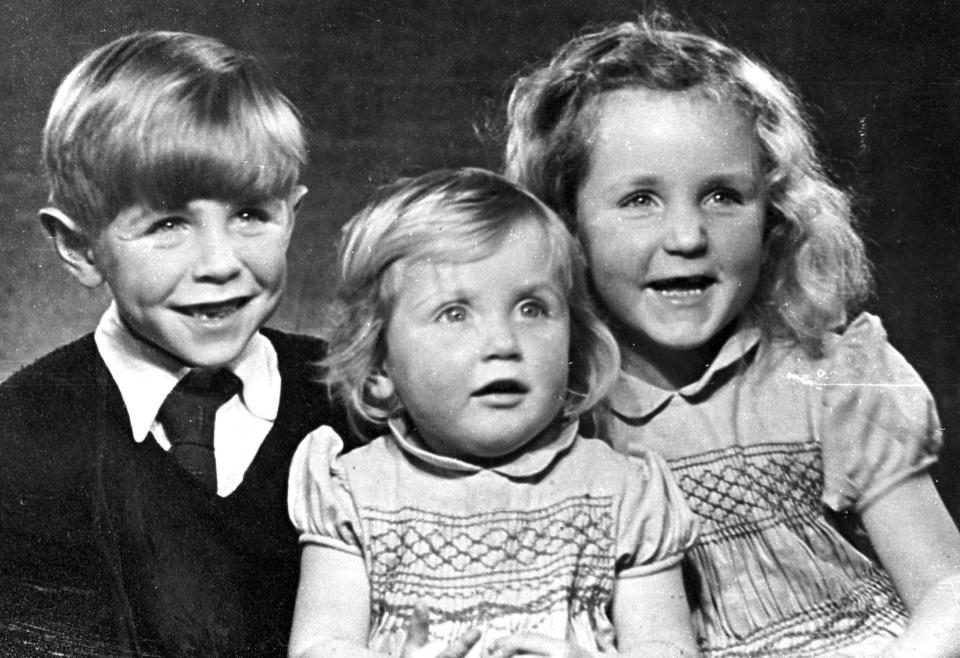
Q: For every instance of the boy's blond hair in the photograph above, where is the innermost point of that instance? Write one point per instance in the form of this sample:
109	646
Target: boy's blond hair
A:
162	118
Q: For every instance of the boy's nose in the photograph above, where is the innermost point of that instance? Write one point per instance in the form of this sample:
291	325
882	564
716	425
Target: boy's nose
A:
216	256
686	232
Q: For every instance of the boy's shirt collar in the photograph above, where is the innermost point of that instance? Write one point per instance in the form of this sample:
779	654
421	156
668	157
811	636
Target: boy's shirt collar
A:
145	375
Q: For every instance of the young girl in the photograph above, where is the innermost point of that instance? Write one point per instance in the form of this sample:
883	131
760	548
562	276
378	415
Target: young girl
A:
465	331
725	261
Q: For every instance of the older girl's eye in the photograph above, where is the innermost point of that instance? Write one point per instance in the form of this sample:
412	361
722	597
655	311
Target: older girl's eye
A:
725	197
640	199
453	314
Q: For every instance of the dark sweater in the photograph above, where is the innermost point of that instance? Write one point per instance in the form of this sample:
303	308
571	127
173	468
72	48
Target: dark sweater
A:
107	548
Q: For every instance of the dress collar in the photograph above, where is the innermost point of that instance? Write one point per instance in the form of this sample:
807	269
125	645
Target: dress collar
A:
531	461
145	375
633	397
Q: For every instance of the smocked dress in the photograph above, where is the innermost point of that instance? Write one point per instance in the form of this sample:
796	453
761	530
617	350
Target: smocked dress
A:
766	446
533	545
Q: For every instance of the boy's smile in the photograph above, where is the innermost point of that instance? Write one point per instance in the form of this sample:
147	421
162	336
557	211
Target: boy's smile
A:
215	310
478	351
198	282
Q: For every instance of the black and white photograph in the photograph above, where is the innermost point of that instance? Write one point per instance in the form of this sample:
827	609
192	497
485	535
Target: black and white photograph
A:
462	329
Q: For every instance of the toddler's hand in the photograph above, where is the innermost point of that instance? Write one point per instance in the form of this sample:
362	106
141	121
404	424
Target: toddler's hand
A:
418	643
534	644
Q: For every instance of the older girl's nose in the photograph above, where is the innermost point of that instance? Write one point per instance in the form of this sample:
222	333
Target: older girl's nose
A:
686	233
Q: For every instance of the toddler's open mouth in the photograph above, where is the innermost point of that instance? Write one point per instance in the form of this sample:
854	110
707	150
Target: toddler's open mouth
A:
501	387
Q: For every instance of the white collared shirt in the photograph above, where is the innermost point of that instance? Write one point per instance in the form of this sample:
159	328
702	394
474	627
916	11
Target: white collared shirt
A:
146	375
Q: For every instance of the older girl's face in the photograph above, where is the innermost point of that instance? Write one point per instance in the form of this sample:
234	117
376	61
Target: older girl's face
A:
671	216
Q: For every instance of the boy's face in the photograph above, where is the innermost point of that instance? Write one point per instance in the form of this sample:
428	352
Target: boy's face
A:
198	282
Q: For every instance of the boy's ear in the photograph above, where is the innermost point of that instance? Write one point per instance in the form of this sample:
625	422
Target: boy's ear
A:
73	245
296	197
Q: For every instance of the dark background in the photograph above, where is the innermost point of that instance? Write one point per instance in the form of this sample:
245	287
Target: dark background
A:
402	86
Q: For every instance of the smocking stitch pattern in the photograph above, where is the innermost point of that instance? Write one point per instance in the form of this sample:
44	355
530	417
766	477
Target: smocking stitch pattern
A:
742	493
872	610
490	565
741	490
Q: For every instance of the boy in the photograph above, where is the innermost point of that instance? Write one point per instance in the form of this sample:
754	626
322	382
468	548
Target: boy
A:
143	467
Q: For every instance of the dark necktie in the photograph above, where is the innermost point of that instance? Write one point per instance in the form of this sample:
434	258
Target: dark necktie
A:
188	416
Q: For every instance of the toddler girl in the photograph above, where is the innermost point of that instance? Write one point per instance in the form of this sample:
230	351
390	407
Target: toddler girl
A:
466	332
725	262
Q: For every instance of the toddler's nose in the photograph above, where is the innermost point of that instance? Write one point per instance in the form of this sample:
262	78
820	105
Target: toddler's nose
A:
501	340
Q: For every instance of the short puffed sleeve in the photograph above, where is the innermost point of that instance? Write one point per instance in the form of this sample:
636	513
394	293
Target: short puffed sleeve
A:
318	494
656	526
879	422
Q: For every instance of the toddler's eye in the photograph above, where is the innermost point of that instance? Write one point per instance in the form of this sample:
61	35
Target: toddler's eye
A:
453	314
532	309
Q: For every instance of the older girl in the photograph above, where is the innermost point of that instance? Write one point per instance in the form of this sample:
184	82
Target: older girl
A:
725	261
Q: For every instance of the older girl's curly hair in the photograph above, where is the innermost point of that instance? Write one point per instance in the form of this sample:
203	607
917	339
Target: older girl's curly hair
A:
815	269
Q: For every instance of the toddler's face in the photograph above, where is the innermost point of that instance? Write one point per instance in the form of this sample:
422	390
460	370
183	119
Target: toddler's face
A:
478	351
671	215
200	281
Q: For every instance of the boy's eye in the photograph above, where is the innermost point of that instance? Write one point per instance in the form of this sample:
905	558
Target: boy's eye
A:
165	224
453	314
253	214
